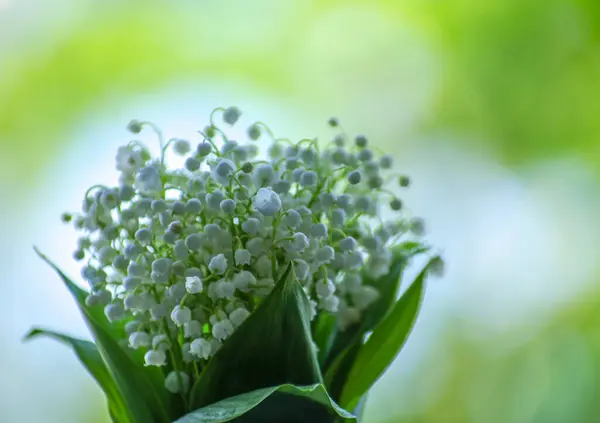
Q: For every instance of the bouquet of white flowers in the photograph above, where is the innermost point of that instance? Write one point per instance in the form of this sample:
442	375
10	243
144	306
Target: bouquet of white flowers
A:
240	287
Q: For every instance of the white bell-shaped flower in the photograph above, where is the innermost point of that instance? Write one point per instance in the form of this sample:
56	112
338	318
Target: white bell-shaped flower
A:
177	382
267	202
155	358
193	284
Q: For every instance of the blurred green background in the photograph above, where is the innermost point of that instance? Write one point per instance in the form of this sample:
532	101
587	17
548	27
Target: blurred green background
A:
493	107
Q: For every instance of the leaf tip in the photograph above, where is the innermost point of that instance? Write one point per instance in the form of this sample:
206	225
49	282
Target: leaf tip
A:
33	332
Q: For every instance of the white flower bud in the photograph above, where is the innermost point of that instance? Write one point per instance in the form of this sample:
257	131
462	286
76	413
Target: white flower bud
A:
375	182
338	216
158	311
176	292
365	155
148	180
192	164
371	169
214	199
180	250
160	342
344	201
181	146
243	280
339	156
218	264
364	297
348	244
282	187
324	254
222	329
267	202
347	317
264	175
324	287
292	219
131	302
297	174
354	177
204	149
162	265
330	303
114	311
144	236
308	179
436	266
318	230
193	284
138	340
146	301
361	141
352	282
223	171
299	242
238	316
192	329
224	289
132	251
194	242
302	270
213	231
132	326
193	206
231	115
201	348
181	315
227	206
252	226
242	257
386	161
254	132
155	358
255	246
177	382
128	160
263	266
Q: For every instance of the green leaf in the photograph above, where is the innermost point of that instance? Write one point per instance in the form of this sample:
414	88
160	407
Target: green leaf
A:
388	287
145	400
283	403
324	331
347	343
384	344
92	360
272	347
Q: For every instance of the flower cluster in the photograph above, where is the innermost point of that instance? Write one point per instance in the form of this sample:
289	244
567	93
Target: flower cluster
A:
183	256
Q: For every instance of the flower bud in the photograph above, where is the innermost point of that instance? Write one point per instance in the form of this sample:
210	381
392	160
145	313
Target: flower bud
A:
155	358
177	382
231	115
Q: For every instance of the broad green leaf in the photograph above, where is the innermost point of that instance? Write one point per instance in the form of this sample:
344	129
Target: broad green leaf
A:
272	347
145	401
384	344
324	331
388	287
92	360
283	403
337	373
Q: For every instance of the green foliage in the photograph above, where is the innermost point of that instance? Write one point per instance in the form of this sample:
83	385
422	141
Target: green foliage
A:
144	400
268	370
293	404
347	343
88	355
384	344
272	347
